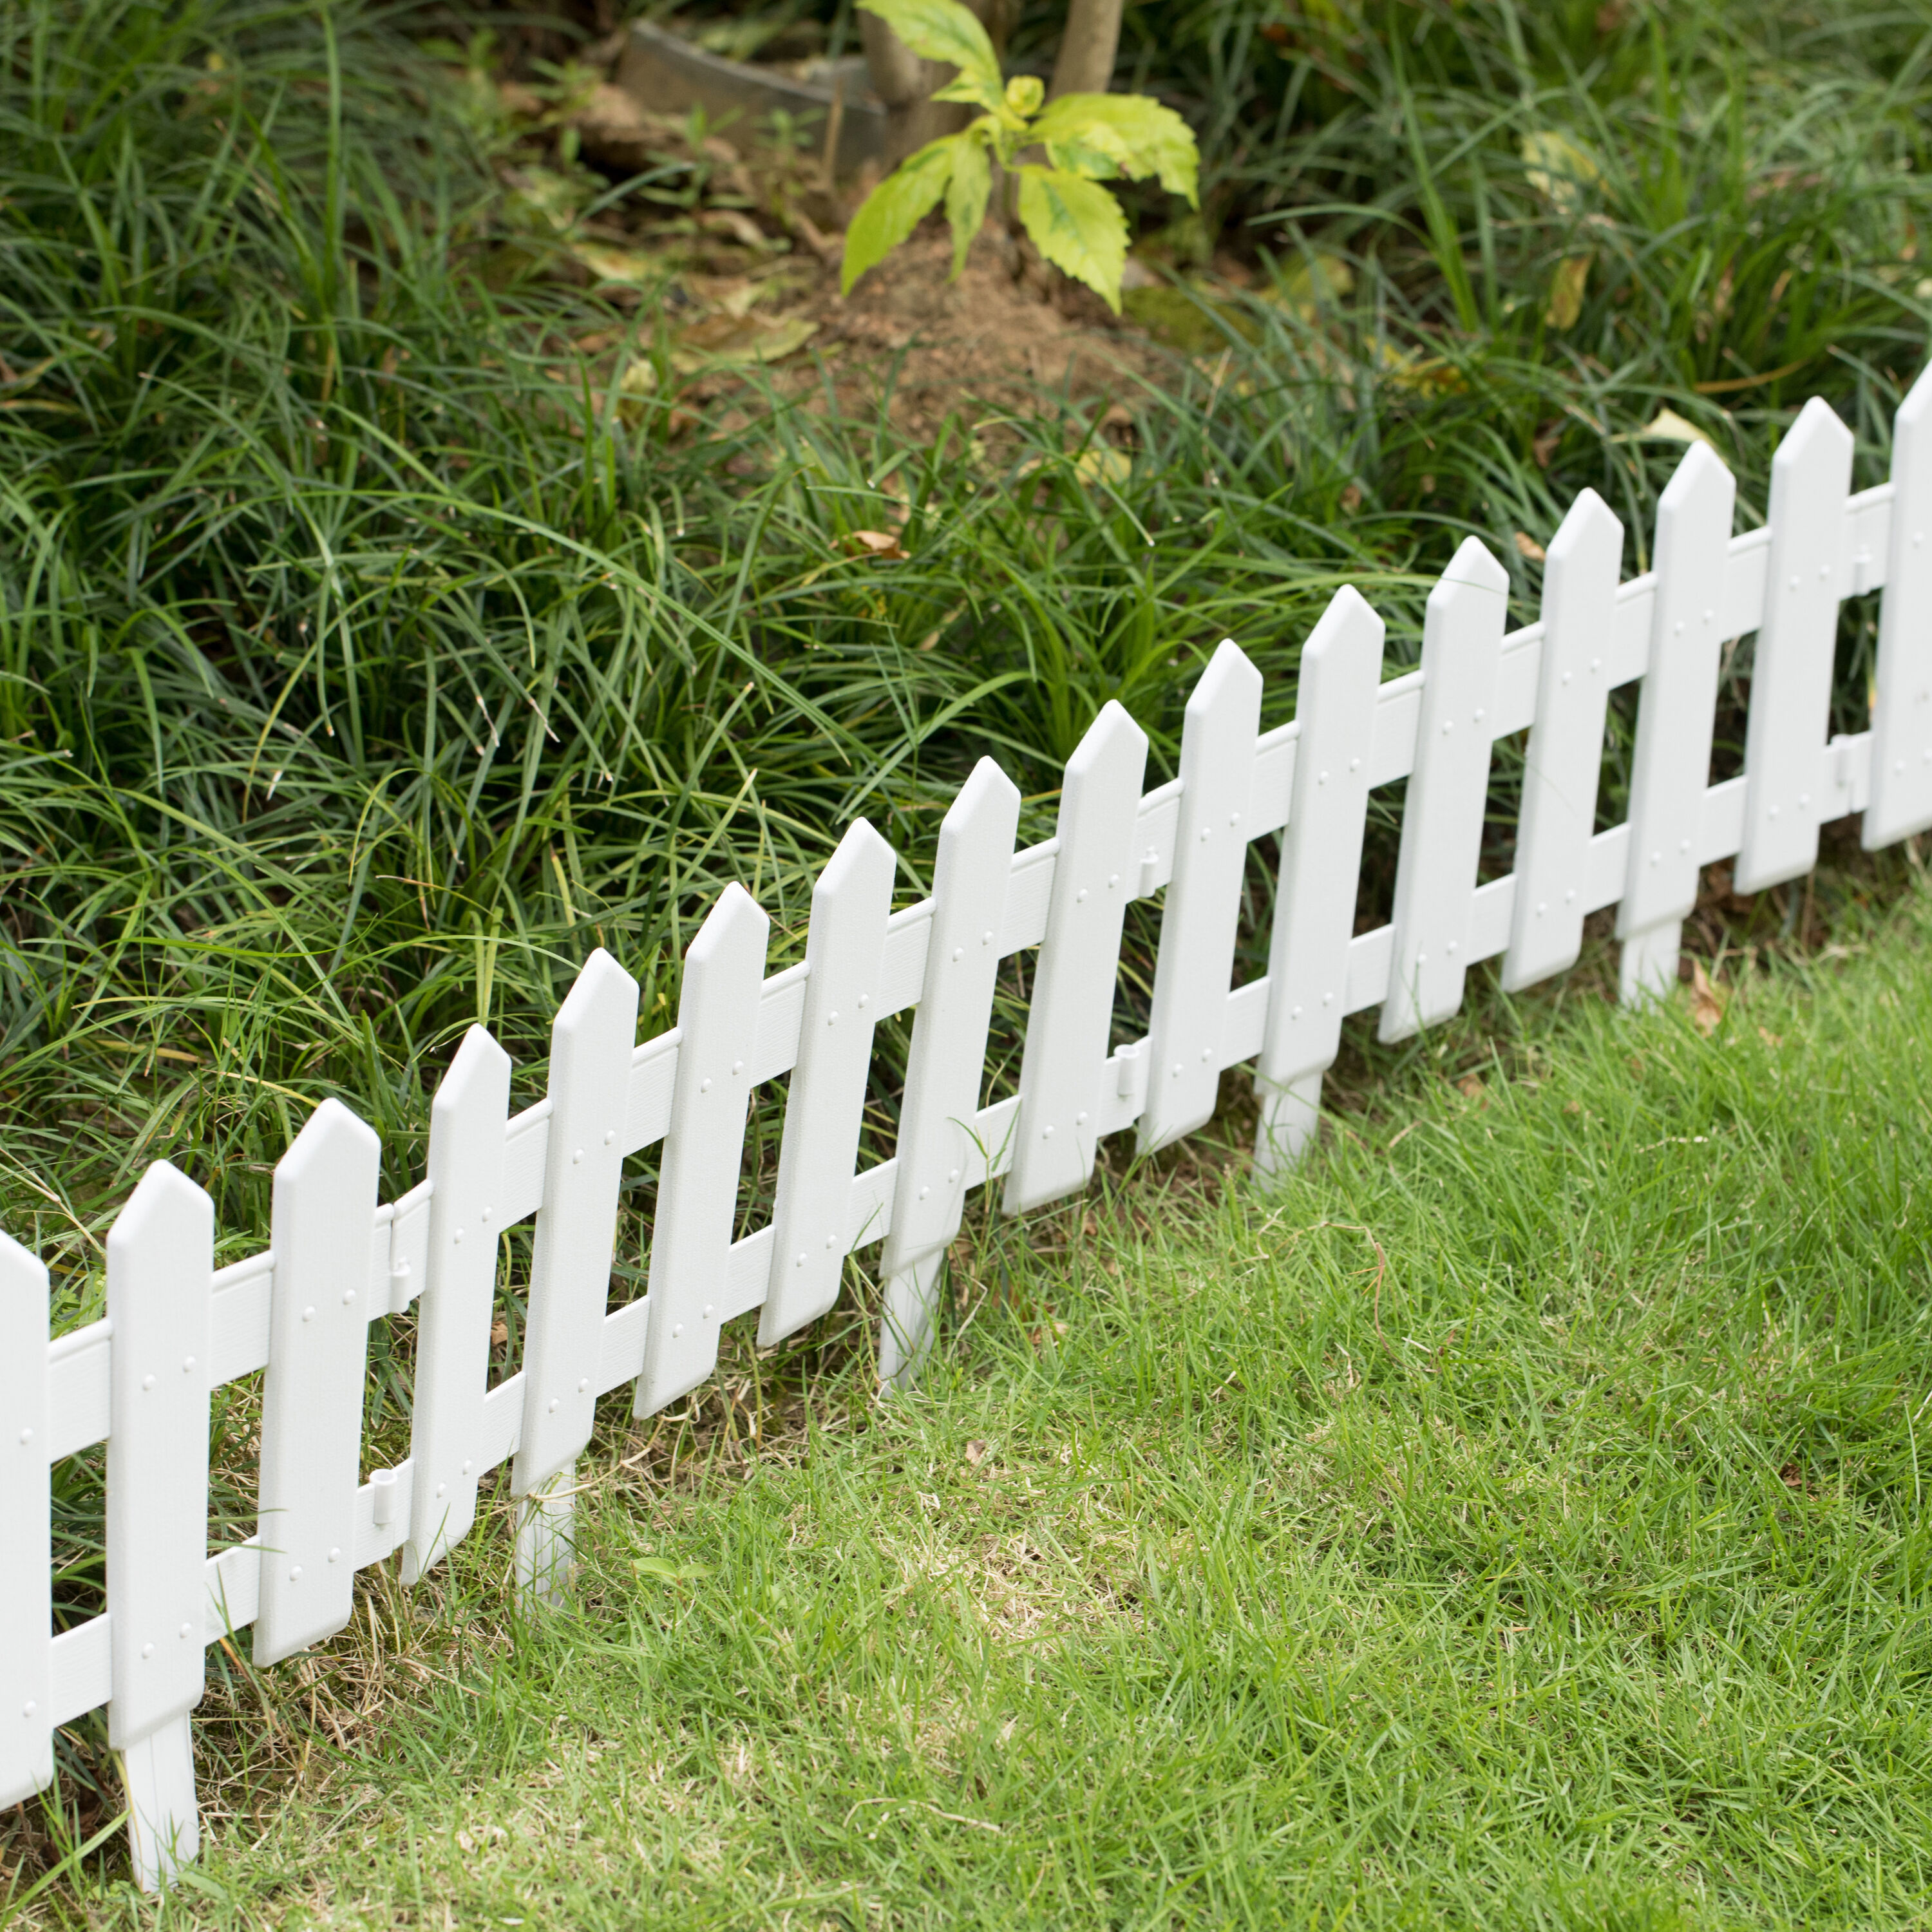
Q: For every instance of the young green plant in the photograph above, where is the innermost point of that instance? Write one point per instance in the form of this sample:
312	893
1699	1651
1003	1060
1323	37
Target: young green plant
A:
1087	138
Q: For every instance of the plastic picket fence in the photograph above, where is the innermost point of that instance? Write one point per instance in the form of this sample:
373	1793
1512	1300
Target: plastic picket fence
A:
177	1327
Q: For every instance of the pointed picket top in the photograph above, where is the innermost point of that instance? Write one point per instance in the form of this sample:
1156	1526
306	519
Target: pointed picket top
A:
1901	757
1194	962
1566	743
26	1530
324	1219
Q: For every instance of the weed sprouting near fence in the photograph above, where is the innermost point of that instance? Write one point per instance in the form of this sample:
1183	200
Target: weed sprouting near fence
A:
177	1328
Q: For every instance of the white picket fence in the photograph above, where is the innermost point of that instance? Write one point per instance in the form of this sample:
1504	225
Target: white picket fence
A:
177	1327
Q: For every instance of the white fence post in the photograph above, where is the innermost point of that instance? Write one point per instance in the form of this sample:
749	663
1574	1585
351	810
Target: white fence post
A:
826	1105
1448	793
1791	671
1200	917
947	1061
1320	865
1676	710
26	1530
466	1174
160	1275
590	1045
324	1224
1071	1014
1901	755
1565	754
697	1186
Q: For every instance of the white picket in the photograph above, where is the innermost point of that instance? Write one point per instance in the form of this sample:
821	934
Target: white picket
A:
1566	743
590	1046
1901	751
826	1106
466	1176
1071	1014
161	1274
1676	710
947	1060
323	1224
1321	860
26	1530
1448	791
1194	965
697	1184
1791	671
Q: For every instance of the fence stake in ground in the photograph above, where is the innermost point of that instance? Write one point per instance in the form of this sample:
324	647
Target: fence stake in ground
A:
1201	916
811	1210
26	1530
947	1062
466	1176
1791	673
1321	867
1901	755
1448	793
697	1188
1566	744
590	1047
1676	710
323	1234
160	1280
1071	1011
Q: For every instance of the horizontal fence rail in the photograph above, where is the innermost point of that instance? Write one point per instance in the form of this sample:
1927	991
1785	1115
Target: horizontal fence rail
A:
177	1327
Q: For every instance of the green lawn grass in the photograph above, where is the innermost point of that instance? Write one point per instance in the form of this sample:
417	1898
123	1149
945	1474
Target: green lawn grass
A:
1515	1521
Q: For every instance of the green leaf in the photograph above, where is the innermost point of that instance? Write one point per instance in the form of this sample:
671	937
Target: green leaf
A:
966	198
942	30
897	206
1139	136
1078	225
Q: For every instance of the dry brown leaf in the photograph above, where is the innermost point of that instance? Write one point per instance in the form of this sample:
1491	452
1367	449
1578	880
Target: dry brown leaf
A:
499	1333
1352	500
740	226
976	1452
1707	1001
1470	1087
882	544
1527	547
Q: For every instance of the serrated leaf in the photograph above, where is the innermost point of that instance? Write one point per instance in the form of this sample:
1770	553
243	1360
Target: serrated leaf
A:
942	30
1141	135
897	206
1078	225
1095	152
966	198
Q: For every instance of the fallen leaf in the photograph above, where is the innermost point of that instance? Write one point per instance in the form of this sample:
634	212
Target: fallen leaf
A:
1566	290
1558	168
639	380
1470	1086
627	268
1770	1039
1103	463
1572	1106
1527	547
736	341
976	1452
883	544
1543	446
1666	426
740	226
499	1333
1350	500
1707	1002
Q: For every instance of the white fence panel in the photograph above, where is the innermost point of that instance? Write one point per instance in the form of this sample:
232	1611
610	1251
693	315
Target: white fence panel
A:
141	1379
1676	710
1072	1008
466	1216
844	950
1194	963
1791	671
323	1227
590	1053
948	1059
1448	792
26	1530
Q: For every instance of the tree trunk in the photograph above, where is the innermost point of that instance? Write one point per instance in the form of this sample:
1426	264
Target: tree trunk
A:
1087	49
905	83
